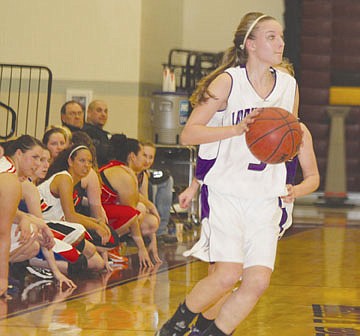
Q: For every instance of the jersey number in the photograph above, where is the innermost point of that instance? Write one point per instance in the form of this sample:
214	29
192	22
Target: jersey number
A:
257	166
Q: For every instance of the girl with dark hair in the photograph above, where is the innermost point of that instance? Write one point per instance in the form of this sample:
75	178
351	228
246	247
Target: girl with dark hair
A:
24	152
243	193
10	194
69	239
56	191
20	241
45	260
89	188
136	160
120	197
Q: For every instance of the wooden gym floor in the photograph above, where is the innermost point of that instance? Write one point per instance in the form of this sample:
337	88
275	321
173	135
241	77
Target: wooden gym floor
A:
315	288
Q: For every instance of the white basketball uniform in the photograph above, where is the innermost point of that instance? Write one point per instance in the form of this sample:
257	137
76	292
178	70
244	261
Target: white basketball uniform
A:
62	247
6	165
51	205
206	157
208	152
54	216
243	192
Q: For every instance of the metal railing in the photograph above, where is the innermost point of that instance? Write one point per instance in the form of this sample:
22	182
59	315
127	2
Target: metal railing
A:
190	66
25	94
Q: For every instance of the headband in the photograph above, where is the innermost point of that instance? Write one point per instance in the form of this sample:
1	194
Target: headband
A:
76	149
242	46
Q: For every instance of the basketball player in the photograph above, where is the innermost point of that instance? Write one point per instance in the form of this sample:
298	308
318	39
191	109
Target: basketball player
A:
120	188
71	249
160	191
242	192
22	240
10	193
69	167
311	179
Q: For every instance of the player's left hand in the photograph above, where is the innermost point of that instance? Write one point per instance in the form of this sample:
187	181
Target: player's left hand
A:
290	197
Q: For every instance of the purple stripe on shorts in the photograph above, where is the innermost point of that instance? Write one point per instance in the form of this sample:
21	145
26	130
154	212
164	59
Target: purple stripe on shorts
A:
205	209
284	216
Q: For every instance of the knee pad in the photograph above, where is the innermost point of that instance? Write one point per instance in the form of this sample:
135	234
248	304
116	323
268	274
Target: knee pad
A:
96	239
78	266
80	247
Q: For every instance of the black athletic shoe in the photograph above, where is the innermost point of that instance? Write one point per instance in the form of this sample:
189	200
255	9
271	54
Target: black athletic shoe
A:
168	329
39	272
195	332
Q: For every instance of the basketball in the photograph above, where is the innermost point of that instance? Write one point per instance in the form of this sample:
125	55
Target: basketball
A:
274	136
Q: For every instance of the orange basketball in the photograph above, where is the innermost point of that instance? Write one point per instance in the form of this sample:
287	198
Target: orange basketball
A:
275	136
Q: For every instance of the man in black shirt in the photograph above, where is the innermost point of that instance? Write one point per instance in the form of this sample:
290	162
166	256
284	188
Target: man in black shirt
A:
96	118
72	115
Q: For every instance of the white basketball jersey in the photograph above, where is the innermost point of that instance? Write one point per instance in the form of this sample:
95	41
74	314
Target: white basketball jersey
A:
236	171
6	165
208	152
51	205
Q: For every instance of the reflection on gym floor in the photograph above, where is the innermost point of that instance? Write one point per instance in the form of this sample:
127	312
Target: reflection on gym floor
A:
314	290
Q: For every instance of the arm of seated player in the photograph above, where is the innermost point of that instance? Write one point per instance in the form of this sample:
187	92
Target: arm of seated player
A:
24	227
62	187
308	164
60	277
31	197
153	249
45	235
144	258
91	184
144	197
31	227
144	188
150	206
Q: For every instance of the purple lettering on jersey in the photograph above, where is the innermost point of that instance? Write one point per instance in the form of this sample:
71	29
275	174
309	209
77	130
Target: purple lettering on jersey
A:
236	117
257	166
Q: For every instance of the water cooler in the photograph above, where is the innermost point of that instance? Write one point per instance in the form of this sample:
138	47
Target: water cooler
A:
169	113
